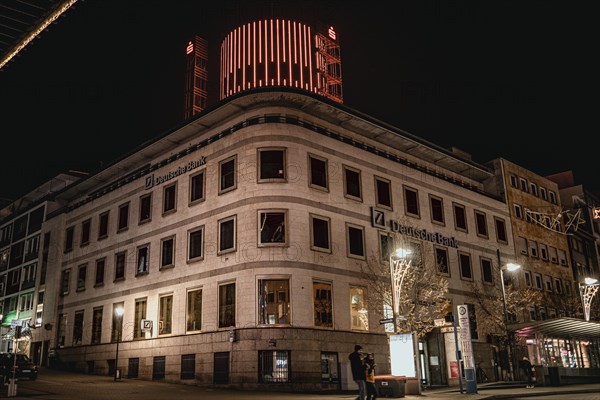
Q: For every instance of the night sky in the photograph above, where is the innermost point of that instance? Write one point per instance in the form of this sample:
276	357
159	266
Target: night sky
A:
495	78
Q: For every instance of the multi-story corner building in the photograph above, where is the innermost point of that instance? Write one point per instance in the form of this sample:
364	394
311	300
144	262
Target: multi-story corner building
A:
22	271
237	244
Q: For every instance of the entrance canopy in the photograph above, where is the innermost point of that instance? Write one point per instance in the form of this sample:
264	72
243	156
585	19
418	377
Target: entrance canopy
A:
572	328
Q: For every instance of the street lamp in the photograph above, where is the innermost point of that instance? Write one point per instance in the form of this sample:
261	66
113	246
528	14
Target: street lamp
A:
399	265
119	313
588	289
510	267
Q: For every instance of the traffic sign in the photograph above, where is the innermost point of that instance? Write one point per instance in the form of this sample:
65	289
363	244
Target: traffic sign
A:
386	321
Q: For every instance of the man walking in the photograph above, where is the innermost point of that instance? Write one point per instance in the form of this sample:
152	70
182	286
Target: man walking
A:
358	371
528	369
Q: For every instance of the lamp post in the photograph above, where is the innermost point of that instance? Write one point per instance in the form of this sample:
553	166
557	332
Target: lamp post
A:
509	267
588	289
119	313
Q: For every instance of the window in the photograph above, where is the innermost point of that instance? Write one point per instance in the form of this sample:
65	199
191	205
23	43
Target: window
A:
85	232
532	313
36	217
359	313
167	252
329	367
143	259
552	197
543	194
120	266
437	209
78	328
567	287
64	286
97	325
464	261
29	275
227	175
522	243
26	302
274	366
548	283
117	323
481	224
533	248
194	310
272	227
486	270
528	281
460	217
441	260
271	165
123	220
553	255
81	275
473	321
165	314
103	225
62	329
558	285
170	198
227	305
411	202
533	189
523	183
383	192
318	172
538	281
500	230
274	301
544	252
513	181
355	236
562	257
352	183
140	314
386	244
197	187
323	304
518	211
227	235
100	272
188	366
145	208
70	232
196	244
319	230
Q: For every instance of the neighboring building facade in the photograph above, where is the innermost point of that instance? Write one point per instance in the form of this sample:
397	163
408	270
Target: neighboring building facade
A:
237	246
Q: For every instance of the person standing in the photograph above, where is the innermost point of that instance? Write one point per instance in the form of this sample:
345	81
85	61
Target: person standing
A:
528	369
357	366
370	376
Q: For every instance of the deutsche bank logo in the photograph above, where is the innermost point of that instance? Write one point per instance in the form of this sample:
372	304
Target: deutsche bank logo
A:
149	181
377	218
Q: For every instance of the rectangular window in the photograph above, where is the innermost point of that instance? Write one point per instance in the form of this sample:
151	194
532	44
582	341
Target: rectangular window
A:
513	181
355	235
271	165
120	259
533	248
78	328
359	313
196	244
145	208
548	283
274	301
411	202
64	287
518	211
323	304
460	217
486	270
170	198
123	222
544	252
167	252
194	311
103	225
543	194
473	321
441	260
97	325
386	244
70	232
274	366
81	277
318	172
227	174
553	255
500	230
464	261
538	281
85	232
523	183
227	235
522	243
562	257
165	314
533	189
528	281
188	366
481	224
383	192
320	236
558	285
227	305
143	259
437	209
352	183
140	314
117	323
197	187
329	367
62	329
272	227
552	197
100	264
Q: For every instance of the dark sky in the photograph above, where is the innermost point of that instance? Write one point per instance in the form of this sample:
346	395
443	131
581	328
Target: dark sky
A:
495	78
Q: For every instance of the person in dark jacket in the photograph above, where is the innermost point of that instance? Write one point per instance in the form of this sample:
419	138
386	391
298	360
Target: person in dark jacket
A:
528	369
357	366
370	376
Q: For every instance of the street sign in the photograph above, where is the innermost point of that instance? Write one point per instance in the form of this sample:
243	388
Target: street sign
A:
439	322
386	321
16	322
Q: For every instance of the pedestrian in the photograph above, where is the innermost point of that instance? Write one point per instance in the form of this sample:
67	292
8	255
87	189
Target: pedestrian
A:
357	366
370	376
528	369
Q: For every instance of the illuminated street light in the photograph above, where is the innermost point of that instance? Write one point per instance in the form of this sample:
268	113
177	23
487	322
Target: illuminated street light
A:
399	265
119	313
588	289
510	267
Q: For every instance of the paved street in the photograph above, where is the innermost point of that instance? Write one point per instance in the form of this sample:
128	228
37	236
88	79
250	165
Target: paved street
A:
60	385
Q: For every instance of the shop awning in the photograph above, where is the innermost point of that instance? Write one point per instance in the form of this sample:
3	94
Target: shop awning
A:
559	328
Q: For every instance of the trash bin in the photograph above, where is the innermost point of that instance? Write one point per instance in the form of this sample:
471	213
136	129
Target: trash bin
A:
390	385
553	376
